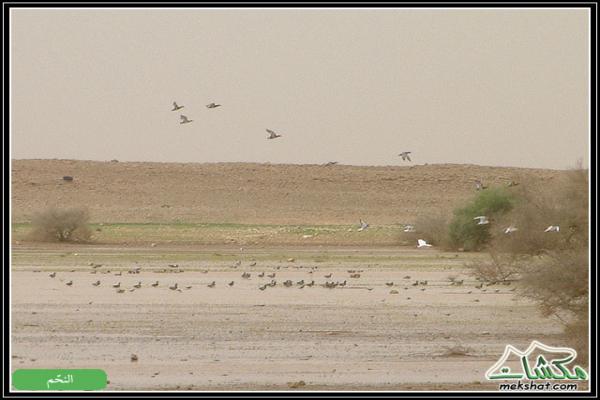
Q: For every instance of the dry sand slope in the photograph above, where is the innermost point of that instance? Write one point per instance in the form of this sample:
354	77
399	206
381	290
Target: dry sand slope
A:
252	193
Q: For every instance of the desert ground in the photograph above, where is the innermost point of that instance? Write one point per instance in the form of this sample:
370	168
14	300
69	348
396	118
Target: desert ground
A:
195	224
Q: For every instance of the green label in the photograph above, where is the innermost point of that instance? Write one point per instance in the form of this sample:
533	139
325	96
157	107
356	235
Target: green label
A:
59	379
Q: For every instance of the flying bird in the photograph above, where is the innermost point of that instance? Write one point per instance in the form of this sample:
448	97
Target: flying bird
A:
409	228
363	225
185	120
213	105
553	228
405	155
511	229
483	220
421	243
272	134
176	107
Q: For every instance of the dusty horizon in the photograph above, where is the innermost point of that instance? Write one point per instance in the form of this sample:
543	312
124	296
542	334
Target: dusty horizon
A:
568	167
500	87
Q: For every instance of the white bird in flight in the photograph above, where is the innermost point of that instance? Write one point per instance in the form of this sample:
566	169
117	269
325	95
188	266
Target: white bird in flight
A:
482	220
422	243
185	120
553	228
272	134
405	155
511	229
409	228
176	107
213	105
363	225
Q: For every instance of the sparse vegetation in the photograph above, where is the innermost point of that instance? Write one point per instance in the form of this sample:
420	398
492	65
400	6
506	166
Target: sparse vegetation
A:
464	232
500	268
61	225
552	266
433	228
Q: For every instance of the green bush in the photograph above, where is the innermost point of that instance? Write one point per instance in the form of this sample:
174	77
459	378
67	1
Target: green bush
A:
464	232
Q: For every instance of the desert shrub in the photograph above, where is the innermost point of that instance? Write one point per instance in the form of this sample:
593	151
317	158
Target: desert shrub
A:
564	203
499	268
432	228
558	283
464	232
556	274
61	225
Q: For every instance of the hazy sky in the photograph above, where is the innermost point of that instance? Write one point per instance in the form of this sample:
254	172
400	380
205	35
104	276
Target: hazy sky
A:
493	87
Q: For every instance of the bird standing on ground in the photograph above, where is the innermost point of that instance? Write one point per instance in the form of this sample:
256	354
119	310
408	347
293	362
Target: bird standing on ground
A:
97	283
155	284
212	105
405	155
174	287
553	228
69	283
212	284
52	275
176	107
117	285
272	134
479	185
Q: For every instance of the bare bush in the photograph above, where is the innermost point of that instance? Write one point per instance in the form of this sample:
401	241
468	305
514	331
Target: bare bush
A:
563	203
559	284
500	268
433	228
61	225
556	274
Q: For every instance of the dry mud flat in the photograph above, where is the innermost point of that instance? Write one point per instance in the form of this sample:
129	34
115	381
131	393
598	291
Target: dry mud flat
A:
242	338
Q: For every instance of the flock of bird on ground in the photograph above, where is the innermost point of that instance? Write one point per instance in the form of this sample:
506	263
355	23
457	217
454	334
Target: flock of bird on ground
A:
307	282
405	155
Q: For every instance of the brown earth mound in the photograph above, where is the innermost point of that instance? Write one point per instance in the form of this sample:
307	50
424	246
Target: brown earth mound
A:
252	193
